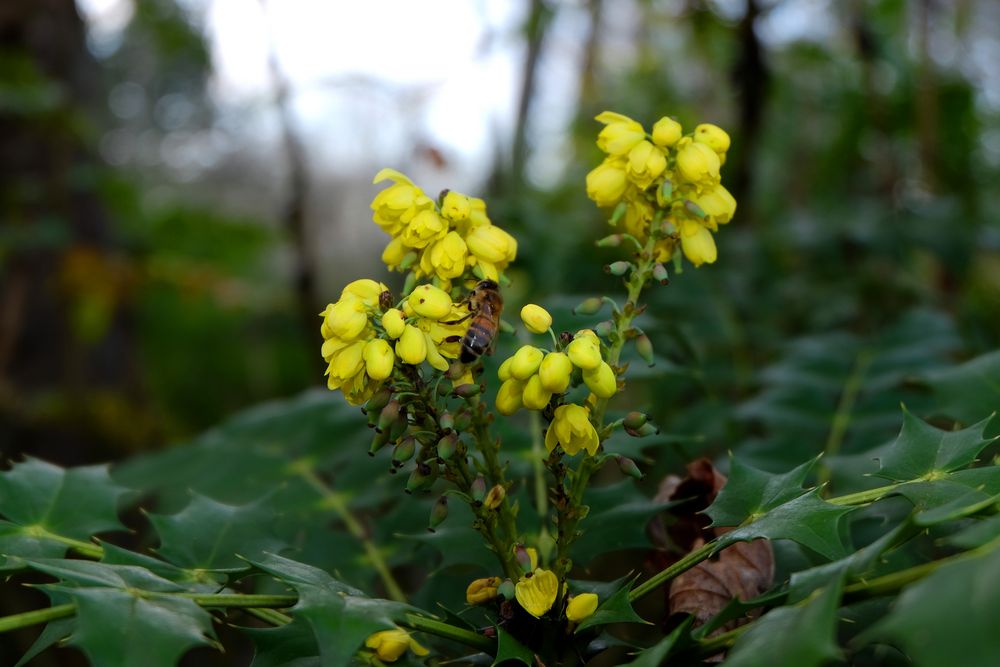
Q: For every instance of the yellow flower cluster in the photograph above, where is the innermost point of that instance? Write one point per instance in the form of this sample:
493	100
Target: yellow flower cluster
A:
665	170
532	376
360	357
442	241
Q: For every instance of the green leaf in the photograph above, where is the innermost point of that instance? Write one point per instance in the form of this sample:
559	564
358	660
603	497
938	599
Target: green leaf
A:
922	451
510	649
798	636
89	573
195	580
115	628
969	391
56	631
617	520
341	616
656	654
980	533
615	609
43	502
456	540
808	520
211	535
291	645
948	617
751	492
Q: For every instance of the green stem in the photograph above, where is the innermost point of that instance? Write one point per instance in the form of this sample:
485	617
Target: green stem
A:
275	618
29	618
538	464
865	497
333	500
448	631
490	449
842	416
225	600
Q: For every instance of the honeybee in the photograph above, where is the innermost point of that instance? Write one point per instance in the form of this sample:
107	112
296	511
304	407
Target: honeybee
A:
485	305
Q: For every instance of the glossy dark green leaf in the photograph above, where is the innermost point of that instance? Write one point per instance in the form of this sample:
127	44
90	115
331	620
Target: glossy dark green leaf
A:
808	520
510	650
797	636
292	645
922	451
53	633
88	573
970	391
194	580
617	520
948	618
18	543
341	616
211	535
979	533
615	609
750	492
655	655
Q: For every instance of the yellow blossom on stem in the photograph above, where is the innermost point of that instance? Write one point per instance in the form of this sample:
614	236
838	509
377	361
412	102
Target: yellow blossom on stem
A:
712	136
425	227
554	372
379	359
571	429
697	243
525	362
390	645
412	345
536	319
393	322
535	396
620	133
445	258
645	164
430	302
698	164
456	207
492	249
509	397
606	183
717	204
601	380
666	132
581	606
482	590
585	350
536	592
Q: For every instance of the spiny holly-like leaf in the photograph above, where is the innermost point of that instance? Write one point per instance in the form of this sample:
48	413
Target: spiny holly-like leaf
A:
211	535
56	631
41	500
655	655
922	451
194	580
291	645
617	520
751	492
616	609
341	616
456	540
509	650
115	628
799	636
950	617
980	533
969	391
89	573
808	520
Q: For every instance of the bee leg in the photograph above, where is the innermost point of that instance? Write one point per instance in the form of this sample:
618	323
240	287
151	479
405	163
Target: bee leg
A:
460	320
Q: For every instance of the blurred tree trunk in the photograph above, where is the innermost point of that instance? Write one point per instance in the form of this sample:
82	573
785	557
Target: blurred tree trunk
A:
539	18
68	381
752	79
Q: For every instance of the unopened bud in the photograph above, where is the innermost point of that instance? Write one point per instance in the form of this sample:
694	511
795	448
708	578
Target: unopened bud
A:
618	268
409	259
409	283
694	209
604	328
446	447
506	589
439	512
390	414
664	192
446	421
378	401
660	274
635	419
420	479
523	558
589	306
642	431
404	451
644	347
612	241
628	467
380	440
617	214
478	489
463	420
455	370
467	390
495	497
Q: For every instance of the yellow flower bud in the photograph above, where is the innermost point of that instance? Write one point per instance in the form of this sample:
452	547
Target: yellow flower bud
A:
365	290
430	302
712	136
494	497
491	244
509	397
645	163
555	371
434	357
697	243
347	363
717	203
347	318
456	207
379	359
525	362
585	351
666	132
620	133
390	645
394	253
504	371
537	593
425	227
698	164
571	429
412	345
482	590
535	396
393	322
601	380
536	318
606	183
581	606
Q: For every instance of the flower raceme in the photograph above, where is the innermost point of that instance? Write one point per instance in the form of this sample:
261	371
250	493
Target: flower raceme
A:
443	240
666	174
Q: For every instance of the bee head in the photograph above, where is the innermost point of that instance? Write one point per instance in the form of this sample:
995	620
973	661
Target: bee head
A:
487	285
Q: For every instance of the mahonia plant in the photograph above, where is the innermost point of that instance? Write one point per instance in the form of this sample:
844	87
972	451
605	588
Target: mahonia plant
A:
414	361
